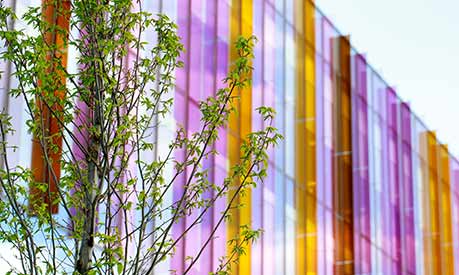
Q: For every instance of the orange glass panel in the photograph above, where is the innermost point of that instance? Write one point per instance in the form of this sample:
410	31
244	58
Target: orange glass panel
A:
342	182
433	234
48	171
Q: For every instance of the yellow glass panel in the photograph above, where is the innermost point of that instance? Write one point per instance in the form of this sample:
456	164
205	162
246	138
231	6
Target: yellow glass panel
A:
305	139
446	237
435	244
310	141
309	11
240	125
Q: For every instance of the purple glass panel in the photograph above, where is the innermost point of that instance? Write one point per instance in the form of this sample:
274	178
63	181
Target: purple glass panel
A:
381	215
183	21
360	162
193	238
408	237
222	53
328	107
210	47
387	263
325	151
180	112
269	205
178	257
268	224
329	33
195	48
394	189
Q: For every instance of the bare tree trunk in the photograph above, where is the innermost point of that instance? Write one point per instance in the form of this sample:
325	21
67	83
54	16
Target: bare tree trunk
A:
87	242
83	265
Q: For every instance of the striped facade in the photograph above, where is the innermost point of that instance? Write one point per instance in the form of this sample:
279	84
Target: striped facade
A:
359	185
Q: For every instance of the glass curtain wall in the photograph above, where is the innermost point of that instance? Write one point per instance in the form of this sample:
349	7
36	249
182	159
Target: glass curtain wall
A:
358	185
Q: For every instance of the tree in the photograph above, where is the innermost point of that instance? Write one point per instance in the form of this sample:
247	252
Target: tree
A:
92	129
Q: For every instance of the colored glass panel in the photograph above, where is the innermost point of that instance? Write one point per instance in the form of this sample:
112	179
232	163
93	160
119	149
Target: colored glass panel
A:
325	146
444	201
393	138
361	178
241	23
280	155
358	185
305	143
342	182
222	31
432	234
46	161
437	214
203	30
454	178
407	180
180	111
269	201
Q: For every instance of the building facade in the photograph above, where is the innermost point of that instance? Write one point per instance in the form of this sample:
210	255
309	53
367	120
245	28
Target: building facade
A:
359	185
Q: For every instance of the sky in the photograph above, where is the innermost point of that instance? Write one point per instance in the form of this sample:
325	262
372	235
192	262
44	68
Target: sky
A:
414	44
